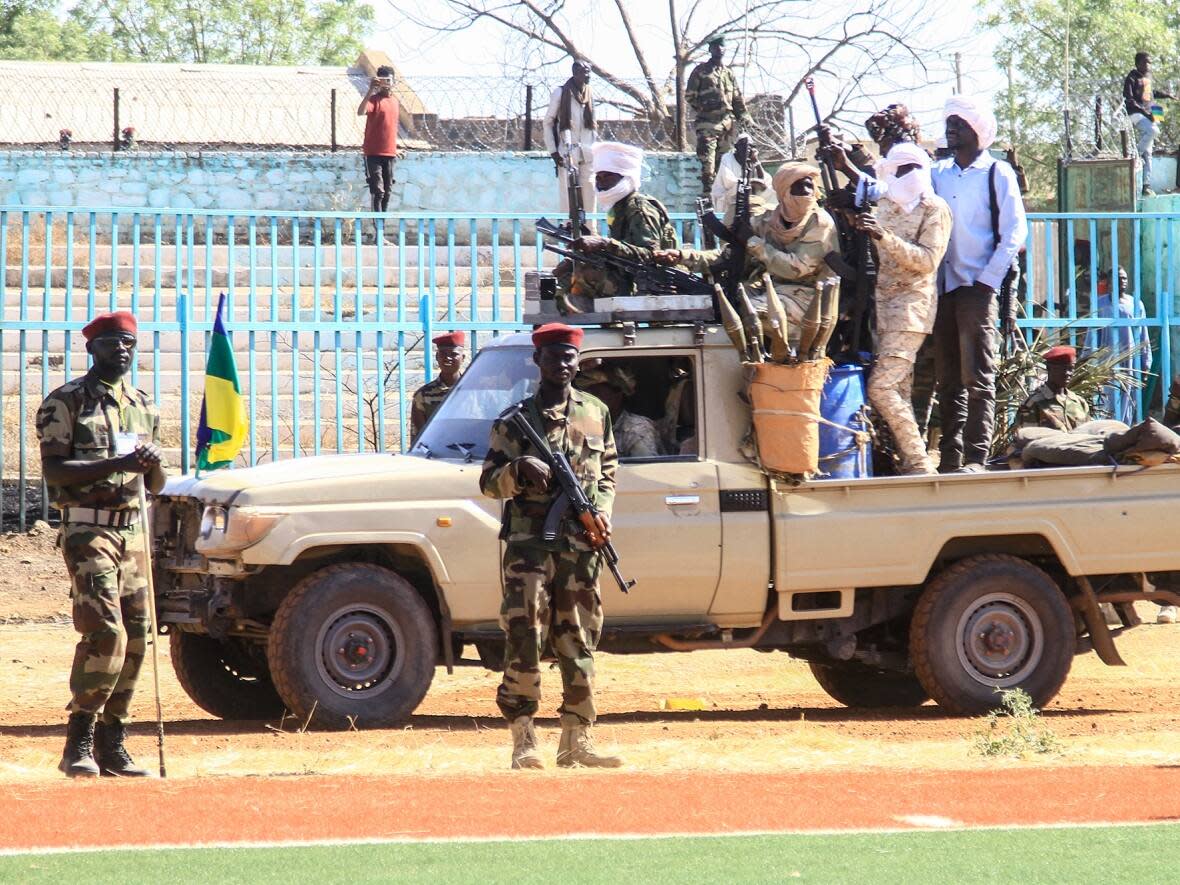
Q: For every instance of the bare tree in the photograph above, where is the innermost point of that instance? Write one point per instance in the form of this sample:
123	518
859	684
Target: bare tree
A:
777	43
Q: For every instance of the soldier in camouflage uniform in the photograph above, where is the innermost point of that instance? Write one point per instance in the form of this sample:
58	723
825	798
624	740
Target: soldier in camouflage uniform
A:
720	111
99	440
551	590
1054	405
449	354
636	436
638	224
911	229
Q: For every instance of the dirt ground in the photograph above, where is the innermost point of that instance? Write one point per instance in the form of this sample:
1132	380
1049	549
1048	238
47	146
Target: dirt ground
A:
761	713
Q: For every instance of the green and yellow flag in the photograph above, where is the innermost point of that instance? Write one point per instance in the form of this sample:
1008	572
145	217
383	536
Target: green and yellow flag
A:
224	425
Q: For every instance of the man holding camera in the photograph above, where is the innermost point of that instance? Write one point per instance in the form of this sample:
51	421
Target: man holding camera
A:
380	110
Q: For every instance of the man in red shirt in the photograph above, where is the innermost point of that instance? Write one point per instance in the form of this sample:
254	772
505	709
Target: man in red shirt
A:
380	146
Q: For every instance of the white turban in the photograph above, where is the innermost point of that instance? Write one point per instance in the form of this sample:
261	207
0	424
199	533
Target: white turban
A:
908	190
978	116
623	159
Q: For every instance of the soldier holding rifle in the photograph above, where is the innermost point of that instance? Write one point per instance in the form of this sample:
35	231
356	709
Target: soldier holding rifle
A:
551	593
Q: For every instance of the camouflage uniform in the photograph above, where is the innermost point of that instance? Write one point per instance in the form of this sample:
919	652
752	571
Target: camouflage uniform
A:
909	254
639	224
551	584
713	94
427	399
78	421
1063	411
1172	406
636	436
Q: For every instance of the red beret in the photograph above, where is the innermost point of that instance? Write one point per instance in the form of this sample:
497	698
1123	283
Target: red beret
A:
558	333
451	339
106	323
1062	353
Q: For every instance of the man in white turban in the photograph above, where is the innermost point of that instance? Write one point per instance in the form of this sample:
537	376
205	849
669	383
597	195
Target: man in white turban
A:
911	230
987	232
638	224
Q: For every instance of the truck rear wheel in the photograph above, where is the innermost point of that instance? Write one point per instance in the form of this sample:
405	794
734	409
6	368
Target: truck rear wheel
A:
223	677
991	622
859	686
353	644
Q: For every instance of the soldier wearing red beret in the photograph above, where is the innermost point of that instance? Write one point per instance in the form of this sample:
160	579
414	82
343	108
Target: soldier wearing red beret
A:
1054	405
99	441
449	353
560	576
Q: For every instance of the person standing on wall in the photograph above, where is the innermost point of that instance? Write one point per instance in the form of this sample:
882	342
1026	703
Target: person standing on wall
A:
570	134
988	228
1137	97
380	110
720	111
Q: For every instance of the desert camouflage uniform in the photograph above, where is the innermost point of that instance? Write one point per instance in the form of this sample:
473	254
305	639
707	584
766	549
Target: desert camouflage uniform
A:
78	421
713	94
427	399
797	271
636	436
909	254
1063	411
639	224
551	583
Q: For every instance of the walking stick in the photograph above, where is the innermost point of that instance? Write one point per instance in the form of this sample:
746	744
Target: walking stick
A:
151	594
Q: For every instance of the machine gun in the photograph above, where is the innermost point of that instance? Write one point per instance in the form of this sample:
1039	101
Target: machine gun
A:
857	268
652	278
573	192
570	497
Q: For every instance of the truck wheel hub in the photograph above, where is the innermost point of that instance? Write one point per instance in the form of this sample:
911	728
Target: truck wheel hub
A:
359	650
1001	640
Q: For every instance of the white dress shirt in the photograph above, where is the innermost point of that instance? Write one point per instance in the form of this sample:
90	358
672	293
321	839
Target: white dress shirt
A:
972	255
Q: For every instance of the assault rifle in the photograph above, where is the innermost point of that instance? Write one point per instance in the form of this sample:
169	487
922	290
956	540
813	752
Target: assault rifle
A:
570	496
652	278
731	270
856	266
573	191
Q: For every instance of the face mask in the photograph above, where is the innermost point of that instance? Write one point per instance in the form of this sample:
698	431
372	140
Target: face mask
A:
907	191
608	198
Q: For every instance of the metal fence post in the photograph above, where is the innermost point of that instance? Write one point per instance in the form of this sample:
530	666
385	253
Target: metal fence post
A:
333	120
115	137
528	117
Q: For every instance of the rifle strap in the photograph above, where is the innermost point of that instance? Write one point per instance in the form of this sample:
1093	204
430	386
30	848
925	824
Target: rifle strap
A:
994	203
535	418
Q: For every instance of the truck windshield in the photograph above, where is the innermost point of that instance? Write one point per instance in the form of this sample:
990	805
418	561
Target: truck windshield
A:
497	378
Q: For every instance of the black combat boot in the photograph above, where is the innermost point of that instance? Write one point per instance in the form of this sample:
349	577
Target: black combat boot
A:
113	758
77	759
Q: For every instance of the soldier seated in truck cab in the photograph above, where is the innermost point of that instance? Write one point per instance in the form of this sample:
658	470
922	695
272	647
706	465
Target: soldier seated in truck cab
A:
636	436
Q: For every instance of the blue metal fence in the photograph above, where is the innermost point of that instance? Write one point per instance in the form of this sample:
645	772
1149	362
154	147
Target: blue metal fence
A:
329	327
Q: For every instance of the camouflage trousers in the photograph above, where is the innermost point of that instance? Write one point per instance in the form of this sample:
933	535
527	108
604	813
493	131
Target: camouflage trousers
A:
890	387
549	597
712	144
109	594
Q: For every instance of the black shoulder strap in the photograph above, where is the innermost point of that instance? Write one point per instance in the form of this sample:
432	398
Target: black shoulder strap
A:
995	203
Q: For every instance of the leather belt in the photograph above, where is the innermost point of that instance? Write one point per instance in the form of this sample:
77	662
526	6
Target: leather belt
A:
115	519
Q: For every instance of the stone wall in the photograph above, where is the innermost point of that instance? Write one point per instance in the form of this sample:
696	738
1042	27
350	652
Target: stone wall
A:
261	180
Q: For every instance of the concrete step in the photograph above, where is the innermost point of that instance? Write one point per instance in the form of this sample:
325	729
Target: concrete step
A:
102	276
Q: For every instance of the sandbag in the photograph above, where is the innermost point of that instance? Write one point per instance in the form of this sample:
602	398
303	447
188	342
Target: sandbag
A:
785	401
1148	442
1063	448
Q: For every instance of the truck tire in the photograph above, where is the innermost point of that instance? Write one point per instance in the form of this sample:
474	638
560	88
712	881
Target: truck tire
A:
991	622
353	644
222	678
866	688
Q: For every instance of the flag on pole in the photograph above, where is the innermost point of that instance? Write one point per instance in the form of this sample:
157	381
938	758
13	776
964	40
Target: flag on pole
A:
224	424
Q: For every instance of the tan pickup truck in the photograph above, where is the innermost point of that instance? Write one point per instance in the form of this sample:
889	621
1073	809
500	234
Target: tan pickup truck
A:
335	586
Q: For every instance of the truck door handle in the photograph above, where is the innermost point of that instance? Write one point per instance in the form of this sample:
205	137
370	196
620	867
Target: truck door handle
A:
682	500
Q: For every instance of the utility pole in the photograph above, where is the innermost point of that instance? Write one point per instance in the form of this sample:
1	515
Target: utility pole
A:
958	73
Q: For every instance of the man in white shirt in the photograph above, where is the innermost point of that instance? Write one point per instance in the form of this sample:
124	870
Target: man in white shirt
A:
987	232
570	134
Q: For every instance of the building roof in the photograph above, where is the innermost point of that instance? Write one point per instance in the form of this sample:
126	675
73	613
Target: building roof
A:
189	104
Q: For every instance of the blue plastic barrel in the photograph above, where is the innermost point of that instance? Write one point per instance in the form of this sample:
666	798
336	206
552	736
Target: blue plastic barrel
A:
842	403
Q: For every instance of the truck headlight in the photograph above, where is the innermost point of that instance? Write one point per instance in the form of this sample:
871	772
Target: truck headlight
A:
226	530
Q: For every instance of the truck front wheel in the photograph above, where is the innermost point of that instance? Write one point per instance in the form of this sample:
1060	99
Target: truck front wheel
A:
855	685
353	645
223	677
987	623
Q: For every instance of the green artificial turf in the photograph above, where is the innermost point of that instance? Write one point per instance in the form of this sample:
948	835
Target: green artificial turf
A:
1101	854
